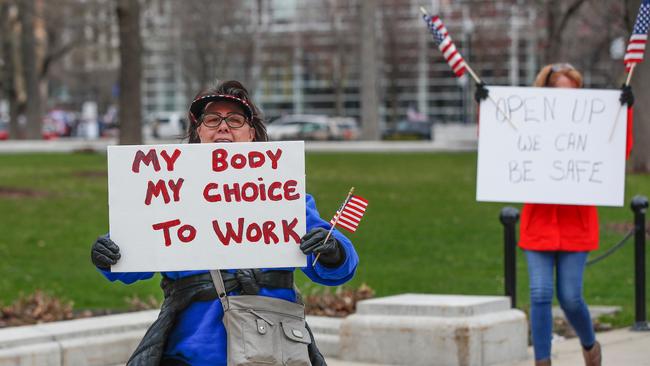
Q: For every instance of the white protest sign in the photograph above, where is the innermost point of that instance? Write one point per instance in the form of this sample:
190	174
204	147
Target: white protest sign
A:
207	206
560	152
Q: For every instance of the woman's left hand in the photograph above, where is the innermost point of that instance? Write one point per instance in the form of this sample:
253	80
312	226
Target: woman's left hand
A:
331	252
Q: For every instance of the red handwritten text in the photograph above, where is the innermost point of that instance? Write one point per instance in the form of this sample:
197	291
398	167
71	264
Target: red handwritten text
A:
254	232
254	159
251	191
158	188
185	233
151	158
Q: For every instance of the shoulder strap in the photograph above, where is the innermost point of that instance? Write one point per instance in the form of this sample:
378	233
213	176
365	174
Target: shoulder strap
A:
220	287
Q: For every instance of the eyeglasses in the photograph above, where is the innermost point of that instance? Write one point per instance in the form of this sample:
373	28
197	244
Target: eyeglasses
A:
557	68
562	67
233	120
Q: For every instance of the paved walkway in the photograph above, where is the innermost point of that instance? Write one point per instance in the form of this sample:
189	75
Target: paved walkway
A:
621	347
72	145
450	138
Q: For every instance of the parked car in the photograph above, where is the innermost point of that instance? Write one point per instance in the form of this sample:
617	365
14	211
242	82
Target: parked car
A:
165	125
344	128
299	127
4	130
50	130
409	130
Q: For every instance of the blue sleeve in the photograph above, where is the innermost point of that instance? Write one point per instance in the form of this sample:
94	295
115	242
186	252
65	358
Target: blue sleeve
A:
126	277
319	273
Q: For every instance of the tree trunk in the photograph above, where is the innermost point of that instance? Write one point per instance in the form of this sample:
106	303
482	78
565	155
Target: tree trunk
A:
640	159
28	48
369	79
8	82
130	115
558	17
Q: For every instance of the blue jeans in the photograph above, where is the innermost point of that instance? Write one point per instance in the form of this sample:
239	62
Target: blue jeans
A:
569	267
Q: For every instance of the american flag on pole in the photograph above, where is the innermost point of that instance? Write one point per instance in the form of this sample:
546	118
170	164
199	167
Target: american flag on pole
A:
350	213
636	46
442	39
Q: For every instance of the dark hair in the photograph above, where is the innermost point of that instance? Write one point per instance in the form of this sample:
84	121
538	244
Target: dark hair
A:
233	88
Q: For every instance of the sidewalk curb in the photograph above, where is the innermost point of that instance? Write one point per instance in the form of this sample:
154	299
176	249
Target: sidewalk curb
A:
105	340
109	340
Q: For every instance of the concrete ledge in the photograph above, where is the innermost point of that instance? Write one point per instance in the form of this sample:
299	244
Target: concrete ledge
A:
94	341
326	333
464	331
96	351
107	340
39	354
416	329
491	339
445	305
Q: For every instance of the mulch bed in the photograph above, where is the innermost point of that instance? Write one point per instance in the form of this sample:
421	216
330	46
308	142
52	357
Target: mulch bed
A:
40	307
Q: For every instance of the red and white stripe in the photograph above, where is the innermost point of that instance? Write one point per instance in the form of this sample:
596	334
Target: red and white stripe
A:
453	57
635	50
439	25
351	215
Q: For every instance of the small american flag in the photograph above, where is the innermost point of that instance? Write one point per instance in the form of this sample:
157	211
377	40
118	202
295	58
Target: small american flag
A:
351	213
636	47
442	39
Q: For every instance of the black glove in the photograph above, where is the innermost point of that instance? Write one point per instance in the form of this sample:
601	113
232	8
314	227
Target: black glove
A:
331	252
627	97
481	92
246	279
104	253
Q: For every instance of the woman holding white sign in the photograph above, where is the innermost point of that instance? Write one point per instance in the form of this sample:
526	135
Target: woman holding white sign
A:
190	329
557	239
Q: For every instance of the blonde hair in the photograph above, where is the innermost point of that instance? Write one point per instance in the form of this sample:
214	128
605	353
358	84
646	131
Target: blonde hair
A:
548	75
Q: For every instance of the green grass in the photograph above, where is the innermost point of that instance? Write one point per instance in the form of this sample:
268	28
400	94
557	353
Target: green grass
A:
423	232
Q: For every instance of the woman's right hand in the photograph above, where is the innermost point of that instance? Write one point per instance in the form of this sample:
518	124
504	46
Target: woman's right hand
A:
627	97
481	92
104	253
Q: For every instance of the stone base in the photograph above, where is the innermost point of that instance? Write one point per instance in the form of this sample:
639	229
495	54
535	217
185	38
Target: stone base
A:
414	329
98	341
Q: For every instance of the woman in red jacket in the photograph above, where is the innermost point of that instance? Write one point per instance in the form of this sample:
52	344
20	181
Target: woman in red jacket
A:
558	238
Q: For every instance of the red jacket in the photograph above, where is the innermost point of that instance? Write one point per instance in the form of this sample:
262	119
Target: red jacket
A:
568	228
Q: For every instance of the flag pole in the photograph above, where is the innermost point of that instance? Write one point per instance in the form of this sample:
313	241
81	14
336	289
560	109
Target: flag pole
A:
479	81
629	75
627	82
472	73
336	221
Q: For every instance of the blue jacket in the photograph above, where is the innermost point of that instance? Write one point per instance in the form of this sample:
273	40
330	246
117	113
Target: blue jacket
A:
199	336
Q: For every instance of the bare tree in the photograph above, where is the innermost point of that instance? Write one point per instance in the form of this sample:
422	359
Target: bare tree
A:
130	115
338	62
558	14
28	51
592	52
369	77
640	160
60	16
8	50
210	48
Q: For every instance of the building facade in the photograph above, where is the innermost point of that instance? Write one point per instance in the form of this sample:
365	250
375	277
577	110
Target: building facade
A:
306	56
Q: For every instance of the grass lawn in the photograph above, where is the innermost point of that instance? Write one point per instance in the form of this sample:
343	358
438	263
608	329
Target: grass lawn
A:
423	232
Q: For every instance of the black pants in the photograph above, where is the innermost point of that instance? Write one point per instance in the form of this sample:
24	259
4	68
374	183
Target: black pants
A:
172	362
